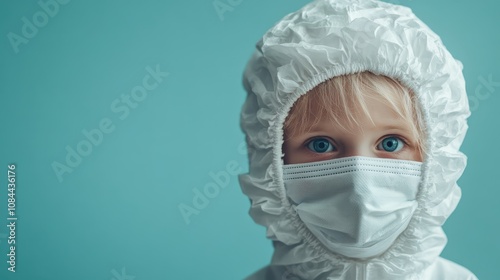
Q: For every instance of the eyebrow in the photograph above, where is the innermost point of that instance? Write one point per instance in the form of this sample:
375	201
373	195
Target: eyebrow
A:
395	125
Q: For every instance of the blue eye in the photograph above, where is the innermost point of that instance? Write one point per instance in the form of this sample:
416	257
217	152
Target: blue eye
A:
320	145
391	144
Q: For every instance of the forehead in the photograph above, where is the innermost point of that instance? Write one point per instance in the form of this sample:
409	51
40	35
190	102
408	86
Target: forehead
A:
377	114
350	102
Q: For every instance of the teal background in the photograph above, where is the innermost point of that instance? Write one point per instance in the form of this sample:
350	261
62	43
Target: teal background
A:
117	214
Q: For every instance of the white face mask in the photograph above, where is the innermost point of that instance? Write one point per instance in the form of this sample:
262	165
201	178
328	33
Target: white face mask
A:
356	206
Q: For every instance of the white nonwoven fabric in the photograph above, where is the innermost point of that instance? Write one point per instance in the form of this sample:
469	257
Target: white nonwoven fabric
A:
328	38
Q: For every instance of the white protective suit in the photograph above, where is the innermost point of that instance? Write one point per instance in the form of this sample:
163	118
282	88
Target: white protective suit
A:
328	38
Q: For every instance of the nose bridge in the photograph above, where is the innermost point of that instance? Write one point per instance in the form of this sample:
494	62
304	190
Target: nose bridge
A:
358	148
358	152
356	140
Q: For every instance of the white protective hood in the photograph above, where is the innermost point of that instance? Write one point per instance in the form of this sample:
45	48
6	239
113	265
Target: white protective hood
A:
328	38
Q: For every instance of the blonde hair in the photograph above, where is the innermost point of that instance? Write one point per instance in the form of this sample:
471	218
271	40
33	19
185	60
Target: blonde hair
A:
339	97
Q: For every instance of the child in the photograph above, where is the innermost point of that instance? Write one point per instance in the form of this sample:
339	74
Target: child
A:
363	105
354	117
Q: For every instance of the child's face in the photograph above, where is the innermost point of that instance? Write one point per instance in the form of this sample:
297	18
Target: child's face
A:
389	137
